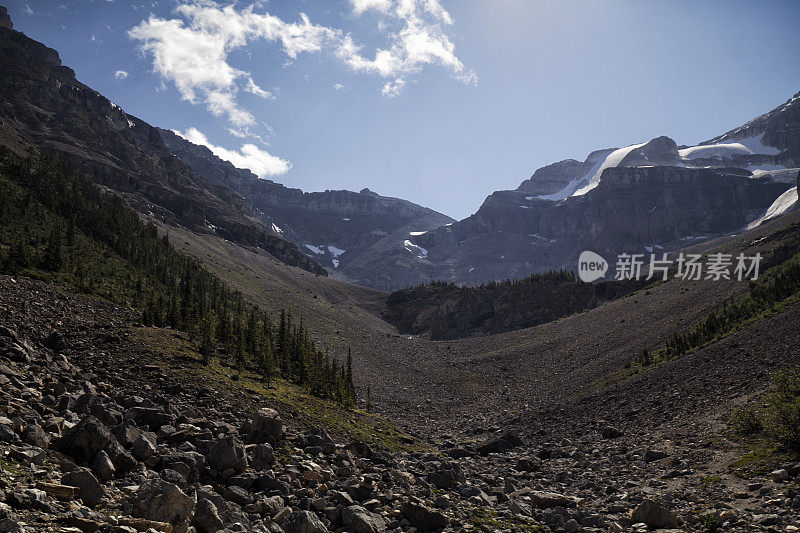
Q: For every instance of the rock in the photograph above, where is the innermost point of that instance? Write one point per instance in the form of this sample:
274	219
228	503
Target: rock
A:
424	518
779	476
546	500
267	426
654	514
238	496
35	436
151	417
102	467
206	518
654	455
89	488
162	501
500	444
447	476
610	432
305	522
9	525
142	448
528	464
263	456
84	441
227	454
360	520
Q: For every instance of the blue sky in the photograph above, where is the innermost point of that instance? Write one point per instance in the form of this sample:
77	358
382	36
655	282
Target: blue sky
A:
439	102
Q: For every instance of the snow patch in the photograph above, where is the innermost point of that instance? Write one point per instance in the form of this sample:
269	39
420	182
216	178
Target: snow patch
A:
346	219
613	160
276	229
747	146
316	249
421	252
781	205
417	233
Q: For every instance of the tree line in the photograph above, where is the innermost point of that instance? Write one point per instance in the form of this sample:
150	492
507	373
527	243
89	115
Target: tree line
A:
56	225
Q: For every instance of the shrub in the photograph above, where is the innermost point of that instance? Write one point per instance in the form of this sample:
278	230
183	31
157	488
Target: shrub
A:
747	421
783	409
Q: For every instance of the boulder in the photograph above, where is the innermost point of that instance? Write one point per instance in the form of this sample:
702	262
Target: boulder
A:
84	441
654	514
305	522
424	518
102	467
161	501
206	518
89	489
500	444
359	520
227	454
267	426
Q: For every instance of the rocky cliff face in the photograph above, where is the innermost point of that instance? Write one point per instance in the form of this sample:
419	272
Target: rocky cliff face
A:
634	209
46	110
358	236
651	197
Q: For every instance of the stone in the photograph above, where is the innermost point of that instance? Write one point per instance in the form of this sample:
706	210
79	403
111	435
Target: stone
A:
500	444
267	426
206	518
424	518
610	432
238	496
545	500
162	501
779	476
36	436
654	514
142	448
102	467
90	490
227	454
305	522
654	455
84	441
360	520
263	456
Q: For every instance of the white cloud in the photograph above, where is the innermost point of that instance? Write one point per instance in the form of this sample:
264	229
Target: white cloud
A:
121	74
258	161
419	40
192	50
194	54
338	86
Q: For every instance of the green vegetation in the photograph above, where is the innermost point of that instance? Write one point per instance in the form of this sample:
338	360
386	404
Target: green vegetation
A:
491	520
779	418
566	276
778	287
56	225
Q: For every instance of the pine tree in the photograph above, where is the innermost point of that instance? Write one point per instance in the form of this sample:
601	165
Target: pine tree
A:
208	345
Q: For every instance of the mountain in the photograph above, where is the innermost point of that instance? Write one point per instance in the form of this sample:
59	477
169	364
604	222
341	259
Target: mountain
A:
46	110
357	236
645	198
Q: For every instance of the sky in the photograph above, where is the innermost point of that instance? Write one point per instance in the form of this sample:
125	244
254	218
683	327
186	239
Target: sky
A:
439	102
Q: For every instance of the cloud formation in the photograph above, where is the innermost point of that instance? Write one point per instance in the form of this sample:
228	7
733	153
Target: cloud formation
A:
193	51
259	162
419	39
121	74
194	54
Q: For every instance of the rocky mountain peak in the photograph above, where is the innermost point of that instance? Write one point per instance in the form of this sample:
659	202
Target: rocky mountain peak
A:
5	20
661	151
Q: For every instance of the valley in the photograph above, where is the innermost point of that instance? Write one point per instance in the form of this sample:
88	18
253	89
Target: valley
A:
187	347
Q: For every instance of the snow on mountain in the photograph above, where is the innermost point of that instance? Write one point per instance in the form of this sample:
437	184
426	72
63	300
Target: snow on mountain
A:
746	146
577	183
781	205
419	251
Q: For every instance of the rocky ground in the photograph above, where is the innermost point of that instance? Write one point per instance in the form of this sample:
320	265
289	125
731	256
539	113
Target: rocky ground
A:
99	433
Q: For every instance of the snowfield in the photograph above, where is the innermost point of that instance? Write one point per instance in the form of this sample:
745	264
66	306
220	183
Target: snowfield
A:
415	249
747	146
781	205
